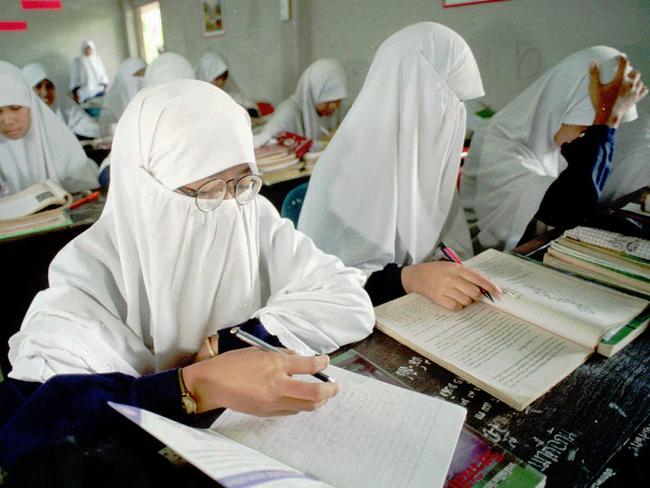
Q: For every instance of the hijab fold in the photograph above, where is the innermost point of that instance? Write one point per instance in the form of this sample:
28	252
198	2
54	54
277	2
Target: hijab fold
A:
384	190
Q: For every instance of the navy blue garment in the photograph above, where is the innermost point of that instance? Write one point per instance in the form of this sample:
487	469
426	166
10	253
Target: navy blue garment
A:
575	194
385	285
37	415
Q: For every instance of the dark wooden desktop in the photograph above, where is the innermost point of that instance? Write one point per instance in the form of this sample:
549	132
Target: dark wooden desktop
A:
594	426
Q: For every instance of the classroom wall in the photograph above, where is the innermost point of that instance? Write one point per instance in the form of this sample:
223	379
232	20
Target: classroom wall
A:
261	49
54	36
514	42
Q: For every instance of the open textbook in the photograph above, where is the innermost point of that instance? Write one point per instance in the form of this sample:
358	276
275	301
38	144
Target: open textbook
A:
370	434
545	326
38	207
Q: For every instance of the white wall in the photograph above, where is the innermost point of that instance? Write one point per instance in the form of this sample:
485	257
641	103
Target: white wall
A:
54	36
261	49
514	42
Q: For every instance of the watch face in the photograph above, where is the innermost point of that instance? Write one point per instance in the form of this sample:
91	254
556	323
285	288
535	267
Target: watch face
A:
189	405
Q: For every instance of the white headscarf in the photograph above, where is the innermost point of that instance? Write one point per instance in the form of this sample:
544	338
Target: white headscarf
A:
514	159
323	81
124	86
65	107
88	72
213	65
168	67
382	191
631	163
144	286
49	150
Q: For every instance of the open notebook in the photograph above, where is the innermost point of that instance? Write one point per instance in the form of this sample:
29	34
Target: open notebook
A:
370	434
545	326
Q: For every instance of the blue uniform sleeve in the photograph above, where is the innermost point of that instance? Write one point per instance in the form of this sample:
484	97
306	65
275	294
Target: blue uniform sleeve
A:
576	192
385	285
35	415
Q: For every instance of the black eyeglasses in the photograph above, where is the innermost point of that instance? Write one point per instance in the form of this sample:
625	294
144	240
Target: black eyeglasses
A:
211	193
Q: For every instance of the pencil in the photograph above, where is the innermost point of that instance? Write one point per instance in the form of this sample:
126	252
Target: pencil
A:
93	196
257	342
451	256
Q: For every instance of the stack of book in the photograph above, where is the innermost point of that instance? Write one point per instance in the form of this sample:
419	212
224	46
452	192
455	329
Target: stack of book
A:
606	257
275	157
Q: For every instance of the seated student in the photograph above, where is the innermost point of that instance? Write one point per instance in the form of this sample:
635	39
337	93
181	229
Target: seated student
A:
127	82
183	251
213	69
76	118
88	77
167	67
383	194
313	106
543	160
631	163
35	144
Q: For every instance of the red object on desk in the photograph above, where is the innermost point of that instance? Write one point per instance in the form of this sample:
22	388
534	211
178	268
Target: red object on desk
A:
264	108
93	196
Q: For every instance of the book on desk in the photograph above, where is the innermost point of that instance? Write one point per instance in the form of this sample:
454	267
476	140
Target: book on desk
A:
36	208
370	434
544	327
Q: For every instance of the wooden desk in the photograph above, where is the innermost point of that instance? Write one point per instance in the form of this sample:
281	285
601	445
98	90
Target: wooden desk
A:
573	434
27	260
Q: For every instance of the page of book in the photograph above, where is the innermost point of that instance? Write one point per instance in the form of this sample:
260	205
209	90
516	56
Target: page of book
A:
570	307
224	460
32	199
370	434
513	360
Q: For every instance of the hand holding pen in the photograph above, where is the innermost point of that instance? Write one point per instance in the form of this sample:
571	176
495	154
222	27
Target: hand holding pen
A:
257	342
447	284
451	256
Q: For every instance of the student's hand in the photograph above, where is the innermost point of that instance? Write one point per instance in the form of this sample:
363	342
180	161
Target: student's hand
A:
613	99
258	383
448	284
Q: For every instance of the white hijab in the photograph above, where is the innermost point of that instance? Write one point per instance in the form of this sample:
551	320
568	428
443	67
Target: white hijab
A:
88	72
65	107
144	286
631	164
514	159
123	88
382	192
49	150
213	65
168	67
323	81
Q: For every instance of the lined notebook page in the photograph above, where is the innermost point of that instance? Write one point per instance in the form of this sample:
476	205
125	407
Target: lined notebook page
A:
370	434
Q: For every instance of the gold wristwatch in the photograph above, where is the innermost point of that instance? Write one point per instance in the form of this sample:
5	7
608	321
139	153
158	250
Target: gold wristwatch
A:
189	404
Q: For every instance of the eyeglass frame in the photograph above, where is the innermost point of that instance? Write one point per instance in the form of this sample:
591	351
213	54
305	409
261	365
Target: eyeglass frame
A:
195	193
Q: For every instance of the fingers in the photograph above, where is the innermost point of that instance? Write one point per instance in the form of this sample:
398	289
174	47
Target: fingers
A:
449	303
295	405
623	63
594	75
309	391
478	279
459	297
306	365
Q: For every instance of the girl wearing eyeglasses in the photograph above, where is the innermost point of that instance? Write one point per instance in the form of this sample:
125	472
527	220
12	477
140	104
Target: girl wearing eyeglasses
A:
184	250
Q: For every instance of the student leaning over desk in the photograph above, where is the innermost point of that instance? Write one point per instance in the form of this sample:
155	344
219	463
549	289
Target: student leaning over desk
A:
383	195
35	144
544	159
312	110
162	273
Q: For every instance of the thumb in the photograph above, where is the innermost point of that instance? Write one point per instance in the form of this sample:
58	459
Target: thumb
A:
594	76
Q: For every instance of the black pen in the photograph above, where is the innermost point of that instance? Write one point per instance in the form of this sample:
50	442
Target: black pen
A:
257	342
451	256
